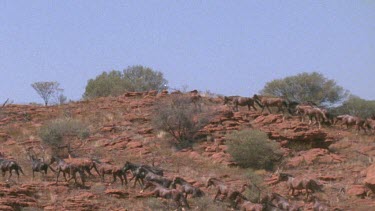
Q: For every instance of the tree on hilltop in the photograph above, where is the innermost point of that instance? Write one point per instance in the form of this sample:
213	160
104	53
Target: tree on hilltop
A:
306	87
47	89
134	78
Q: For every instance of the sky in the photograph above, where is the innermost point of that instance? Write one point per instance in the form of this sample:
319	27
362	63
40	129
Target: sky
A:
226	47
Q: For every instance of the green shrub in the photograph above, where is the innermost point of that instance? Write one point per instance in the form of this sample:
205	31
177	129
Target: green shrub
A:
134	78
251	148
55	132
356	106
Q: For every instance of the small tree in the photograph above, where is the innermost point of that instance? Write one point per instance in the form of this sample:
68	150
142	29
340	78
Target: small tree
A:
46	89
306	87
356	106
181	118
251	148
134	78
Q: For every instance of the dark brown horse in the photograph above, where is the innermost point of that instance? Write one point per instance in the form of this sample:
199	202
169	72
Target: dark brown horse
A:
115	171
37	165
10	165
268	102
143	174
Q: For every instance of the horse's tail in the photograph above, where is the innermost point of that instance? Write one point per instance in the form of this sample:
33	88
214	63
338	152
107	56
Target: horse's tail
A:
198	193
315	186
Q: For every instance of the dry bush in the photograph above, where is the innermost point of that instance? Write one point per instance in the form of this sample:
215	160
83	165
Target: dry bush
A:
61	131
181	118
252	149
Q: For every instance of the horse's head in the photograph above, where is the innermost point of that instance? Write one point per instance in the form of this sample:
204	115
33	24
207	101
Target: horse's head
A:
126	166
209	182
284	176
226	100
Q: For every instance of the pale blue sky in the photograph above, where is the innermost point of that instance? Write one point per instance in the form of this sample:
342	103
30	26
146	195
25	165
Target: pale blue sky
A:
227	47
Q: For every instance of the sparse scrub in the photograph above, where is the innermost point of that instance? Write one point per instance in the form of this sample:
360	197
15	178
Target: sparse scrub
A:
180	118
55	133
256	186
252	149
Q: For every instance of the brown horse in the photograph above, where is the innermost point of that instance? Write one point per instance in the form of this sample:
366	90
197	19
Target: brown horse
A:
268	102
300	184
318	205
187	188
275	199
349	120
223	189
228	99
312	112
196	98
167	193
246	205
370	123
115	171
244	101
68	168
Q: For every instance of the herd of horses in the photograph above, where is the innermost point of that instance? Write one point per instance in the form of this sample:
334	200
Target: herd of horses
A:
176	189
315	114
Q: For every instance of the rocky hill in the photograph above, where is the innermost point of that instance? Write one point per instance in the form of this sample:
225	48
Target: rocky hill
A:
121	130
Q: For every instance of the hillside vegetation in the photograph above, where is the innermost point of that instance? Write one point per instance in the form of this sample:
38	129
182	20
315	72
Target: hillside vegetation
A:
121	129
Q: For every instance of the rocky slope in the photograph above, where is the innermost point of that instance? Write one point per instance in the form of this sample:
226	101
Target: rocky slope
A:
121	130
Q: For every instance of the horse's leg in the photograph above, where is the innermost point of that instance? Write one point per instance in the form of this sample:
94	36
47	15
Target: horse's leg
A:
10	174
217	194
224	196
103	180
122	180
135	181
125	178
33	174
57	178
263	108
268	108
184	200
18	175
114	178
